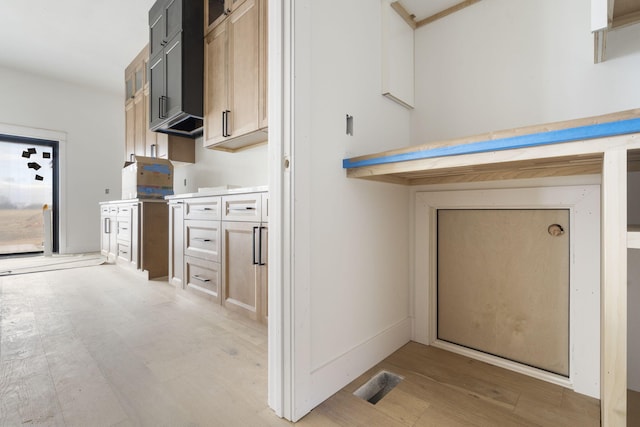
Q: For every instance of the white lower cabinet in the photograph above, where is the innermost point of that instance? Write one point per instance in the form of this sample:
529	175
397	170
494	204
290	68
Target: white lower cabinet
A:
134	234
223	244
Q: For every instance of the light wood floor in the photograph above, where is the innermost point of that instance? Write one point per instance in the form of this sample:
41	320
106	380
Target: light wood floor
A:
100	346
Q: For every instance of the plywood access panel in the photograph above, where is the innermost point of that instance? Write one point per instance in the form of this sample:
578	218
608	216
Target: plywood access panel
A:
503	284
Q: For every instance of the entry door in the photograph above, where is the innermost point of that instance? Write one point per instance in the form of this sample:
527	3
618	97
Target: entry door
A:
28	181
503	283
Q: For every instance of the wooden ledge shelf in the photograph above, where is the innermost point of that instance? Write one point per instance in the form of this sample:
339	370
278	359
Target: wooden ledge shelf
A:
572	147
633	237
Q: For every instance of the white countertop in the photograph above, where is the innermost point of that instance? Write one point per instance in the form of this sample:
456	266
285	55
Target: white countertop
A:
219	192
133	201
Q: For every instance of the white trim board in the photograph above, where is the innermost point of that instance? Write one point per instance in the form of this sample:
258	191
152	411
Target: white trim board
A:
583	201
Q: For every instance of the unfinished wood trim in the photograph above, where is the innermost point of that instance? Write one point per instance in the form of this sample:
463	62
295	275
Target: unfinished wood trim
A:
580	133
574	153
613	344
625	20
400	10
506	133
599	46
445	12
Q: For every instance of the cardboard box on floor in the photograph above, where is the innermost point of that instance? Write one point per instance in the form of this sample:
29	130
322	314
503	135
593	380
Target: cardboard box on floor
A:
147	178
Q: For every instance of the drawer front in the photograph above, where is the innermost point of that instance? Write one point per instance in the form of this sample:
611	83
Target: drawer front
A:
124	231
207	208
242	207
202	239
104	210
124	213
113	210
203	276
124	252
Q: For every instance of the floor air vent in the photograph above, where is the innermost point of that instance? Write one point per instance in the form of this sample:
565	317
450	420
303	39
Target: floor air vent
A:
378	386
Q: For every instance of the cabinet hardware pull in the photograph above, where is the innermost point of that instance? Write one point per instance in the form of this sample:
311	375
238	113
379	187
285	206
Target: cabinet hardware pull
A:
254	262
107	225
260	262
202	279
154	150
202	239
244	208
162	107
225	123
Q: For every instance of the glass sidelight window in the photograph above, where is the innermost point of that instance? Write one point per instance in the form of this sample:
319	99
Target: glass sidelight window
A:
28	182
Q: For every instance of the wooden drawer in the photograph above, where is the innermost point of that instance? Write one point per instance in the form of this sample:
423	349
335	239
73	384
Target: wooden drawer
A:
124	252
124	231
104	210
124	212
203	276
242	207
207	208
113	210
202	239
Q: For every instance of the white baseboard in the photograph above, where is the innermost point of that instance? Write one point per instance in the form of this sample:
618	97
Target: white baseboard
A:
334	375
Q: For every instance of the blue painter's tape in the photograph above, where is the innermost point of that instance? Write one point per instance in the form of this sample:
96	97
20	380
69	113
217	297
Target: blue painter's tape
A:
602	130
163	169
156	191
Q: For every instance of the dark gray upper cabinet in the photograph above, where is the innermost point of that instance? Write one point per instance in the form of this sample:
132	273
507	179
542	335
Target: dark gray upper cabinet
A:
176	63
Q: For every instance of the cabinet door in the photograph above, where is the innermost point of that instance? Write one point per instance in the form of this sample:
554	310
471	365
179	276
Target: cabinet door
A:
244	62
173	76
173	19
105	227
241	288
156	89
216	94
129	132
140	124
176	243
215	11
157	30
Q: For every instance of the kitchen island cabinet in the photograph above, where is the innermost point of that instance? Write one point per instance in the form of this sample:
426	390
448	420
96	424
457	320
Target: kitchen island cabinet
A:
137	234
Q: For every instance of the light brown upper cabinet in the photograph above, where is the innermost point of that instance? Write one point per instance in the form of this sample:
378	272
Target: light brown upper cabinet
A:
135	126
235	78
216	11
139	139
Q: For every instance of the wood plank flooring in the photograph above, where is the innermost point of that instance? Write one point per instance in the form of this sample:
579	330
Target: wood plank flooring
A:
101	346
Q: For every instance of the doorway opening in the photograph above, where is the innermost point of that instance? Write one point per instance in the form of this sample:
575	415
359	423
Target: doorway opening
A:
29	180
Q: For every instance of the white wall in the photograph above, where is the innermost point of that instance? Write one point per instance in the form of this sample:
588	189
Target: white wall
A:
246	168
502	64
351	243
94	123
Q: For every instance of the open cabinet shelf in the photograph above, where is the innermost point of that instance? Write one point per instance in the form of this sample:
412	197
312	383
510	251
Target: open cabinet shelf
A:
633	236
